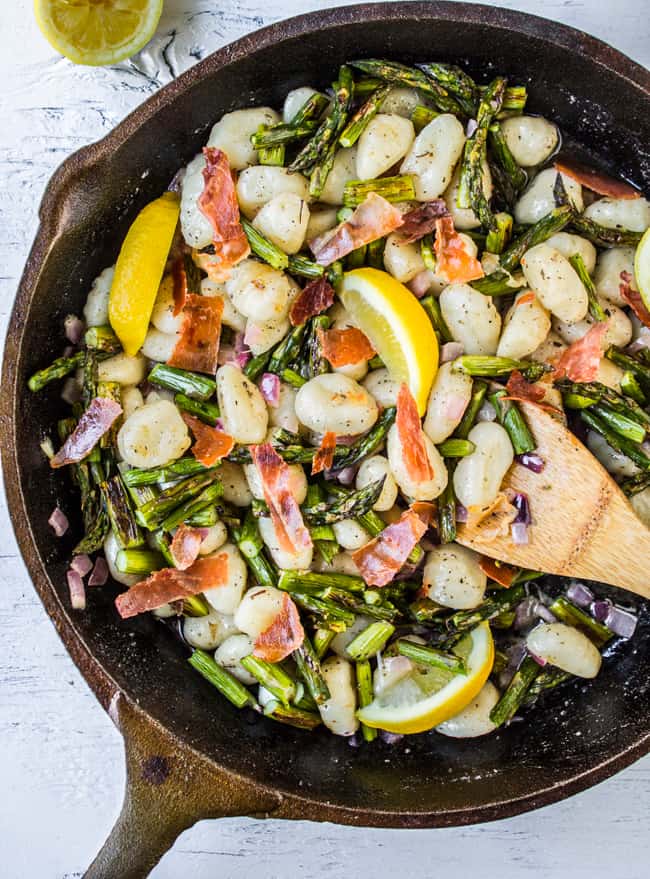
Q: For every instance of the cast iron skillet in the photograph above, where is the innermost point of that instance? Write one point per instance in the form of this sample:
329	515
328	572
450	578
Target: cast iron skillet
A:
191	755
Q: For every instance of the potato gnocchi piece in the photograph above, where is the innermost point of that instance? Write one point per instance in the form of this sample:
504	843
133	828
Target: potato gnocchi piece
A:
620	213
372	469
572	245
159	346
450	394
386	139
614	462
132	399
478	477
195	226
283	220
297	482
525	327
261	336
384	389
350	534
230	317
566	648
472	318
427	490
261	292
452	577
226	597
258	610
343	170
258	185
289	561
234	484
538	200
474	719
465	218
230	653
552	277
333	402
243	411
339	711
434	155
111	549
122	369
233	132
153	435
96	307
162	316
607	275
209	631
295	100
401	102
531	139
619	327
402	261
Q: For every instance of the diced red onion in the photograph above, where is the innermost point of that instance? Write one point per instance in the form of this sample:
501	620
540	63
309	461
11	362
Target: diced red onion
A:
74	328
58	521
71	392
420	284
270	389
451	351
544	613
347	475
621	622
519	533
99	575
219	425
82	564
354	741
77	590
390	738
580	594
471	127
531	461
538	659
526	613
600	609
461	513
520	502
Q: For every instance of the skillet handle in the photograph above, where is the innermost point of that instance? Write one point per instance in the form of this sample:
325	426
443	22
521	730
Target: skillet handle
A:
168	789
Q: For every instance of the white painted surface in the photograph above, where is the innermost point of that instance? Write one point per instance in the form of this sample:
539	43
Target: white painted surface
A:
61	760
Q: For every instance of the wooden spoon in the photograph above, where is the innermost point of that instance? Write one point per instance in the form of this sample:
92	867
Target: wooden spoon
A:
583	525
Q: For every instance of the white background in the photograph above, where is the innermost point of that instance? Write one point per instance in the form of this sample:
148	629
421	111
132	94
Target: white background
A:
61	765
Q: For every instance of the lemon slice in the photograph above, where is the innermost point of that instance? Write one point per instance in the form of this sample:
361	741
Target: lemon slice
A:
428	696
642	268
139	270
98	31
397	325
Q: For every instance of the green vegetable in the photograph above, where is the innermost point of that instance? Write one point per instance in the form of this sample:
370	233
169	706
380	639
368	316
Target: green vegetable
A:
393	189
309	669
370	641
359	122
365	692
198	387
206	412
272	677
595	308
139	561
510	416
227	685
58	369
431	656
516	692
120	513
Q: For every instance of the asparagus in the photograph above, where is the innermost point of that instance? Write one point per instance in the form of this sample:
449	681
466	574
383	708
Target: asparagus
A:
206	412
393	189
355	504
492	367
626	427
515	175
350	456
432	308
309	669
595	308
456	448
192	506
357	258
156	511
311	582
616	441
328	614
175	470
312	109
205	518
257	365
365	693
195	606
90	376
199	387
635	484
57	369
547	679
596	392
639	369
470	187
499	283
102	339
359	122
511	418
427	253
424	610
249	539
257	563
603	236
370	641
138	561
540	231
479	390
514	100
366	86
370	604
498	238
270	136
227	685
322	640
322	536
162	543
456	82
287	350
515	692
120	513
293	378
292	716
263	247
410	77
421	116
272	677
275	155
307	268
431	656
631	388
313	362
564	610
494	605
447	511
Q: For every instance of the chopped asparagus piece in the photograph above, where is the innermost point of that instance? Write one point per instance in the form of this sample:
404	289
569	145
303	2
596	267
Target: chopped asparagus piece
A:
366	112
199	387
206	412
393	189
272	677
516	692
139	561
227	685
58	369
431	656
370	640
309	669
365	693
492	367
595	308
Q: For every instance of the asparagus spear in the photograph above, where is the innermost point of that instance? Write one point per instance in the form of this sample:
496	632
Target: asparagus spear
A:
595	308
603	236
431	656
257	365
366	112
156	511
328	614
356	503
250	545
311	582
226	683
275	155
633	364
421	116
293	378
366	86
631	449
547	679
333	126
515	175
510	416
516	692
309	669
447	512
479	365
139	561
270	136
102	339
393	189
352	455
272	677
199	387
432	308
456	82
57	369
491	607
470	188
424	610
574	616
175	470
192	506
322	536
195	606
479	390
307	268
264	248
120	513
162	543
410	77
631	388
498	238
287	350
378	611
596	392
206	412
322	640
626	427
635	484
205	518
514	100
370	641
312	361
292	716
365	693
456	448
312	109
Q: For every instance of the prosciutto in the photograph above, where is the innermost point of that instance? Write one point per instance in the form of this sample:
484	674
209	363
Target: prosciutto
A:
315	298
411	437
345	347
324	457
197	348
422	220
211	444
372	219
501	573
218	202
581	360
286	517
382	559
185	546
596	180
172	584
97	420
633	299
283	636
453	263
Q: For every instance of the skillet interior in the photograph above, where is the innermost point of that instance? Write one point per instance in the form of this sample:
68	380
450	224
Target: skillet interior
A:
436	780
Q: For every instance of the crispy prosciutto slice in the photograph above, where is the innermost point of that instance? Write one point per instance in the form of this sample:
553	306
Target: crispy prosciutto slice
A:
324	457
315	298
197	348
596	180
374	218
185	546
218	202
275	476
283	636
633	299
382	559
170	584
500	572
453	263
411	437
494	518
519	388
345	347
581	360
525	298
211	444
97	420
422	220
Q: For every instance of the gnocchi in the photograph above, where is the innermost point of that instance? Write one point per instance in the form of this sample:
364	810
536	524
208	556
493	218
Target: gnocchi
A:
478	477
334	402
153	435
433	156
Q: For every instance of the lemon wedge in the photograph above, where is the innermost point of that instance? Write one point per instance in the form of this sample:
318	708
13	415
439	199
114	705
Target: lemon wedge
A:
397	326
428	696
97	32
642	267
139	270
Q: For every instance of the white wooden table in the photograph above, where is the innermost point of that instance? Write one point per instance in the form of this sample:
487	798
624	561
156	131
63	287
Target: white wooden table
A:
61	765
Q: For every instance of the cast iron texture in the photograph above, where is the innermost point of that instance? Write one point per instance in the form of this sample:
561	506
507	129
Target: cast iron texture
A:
602	100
